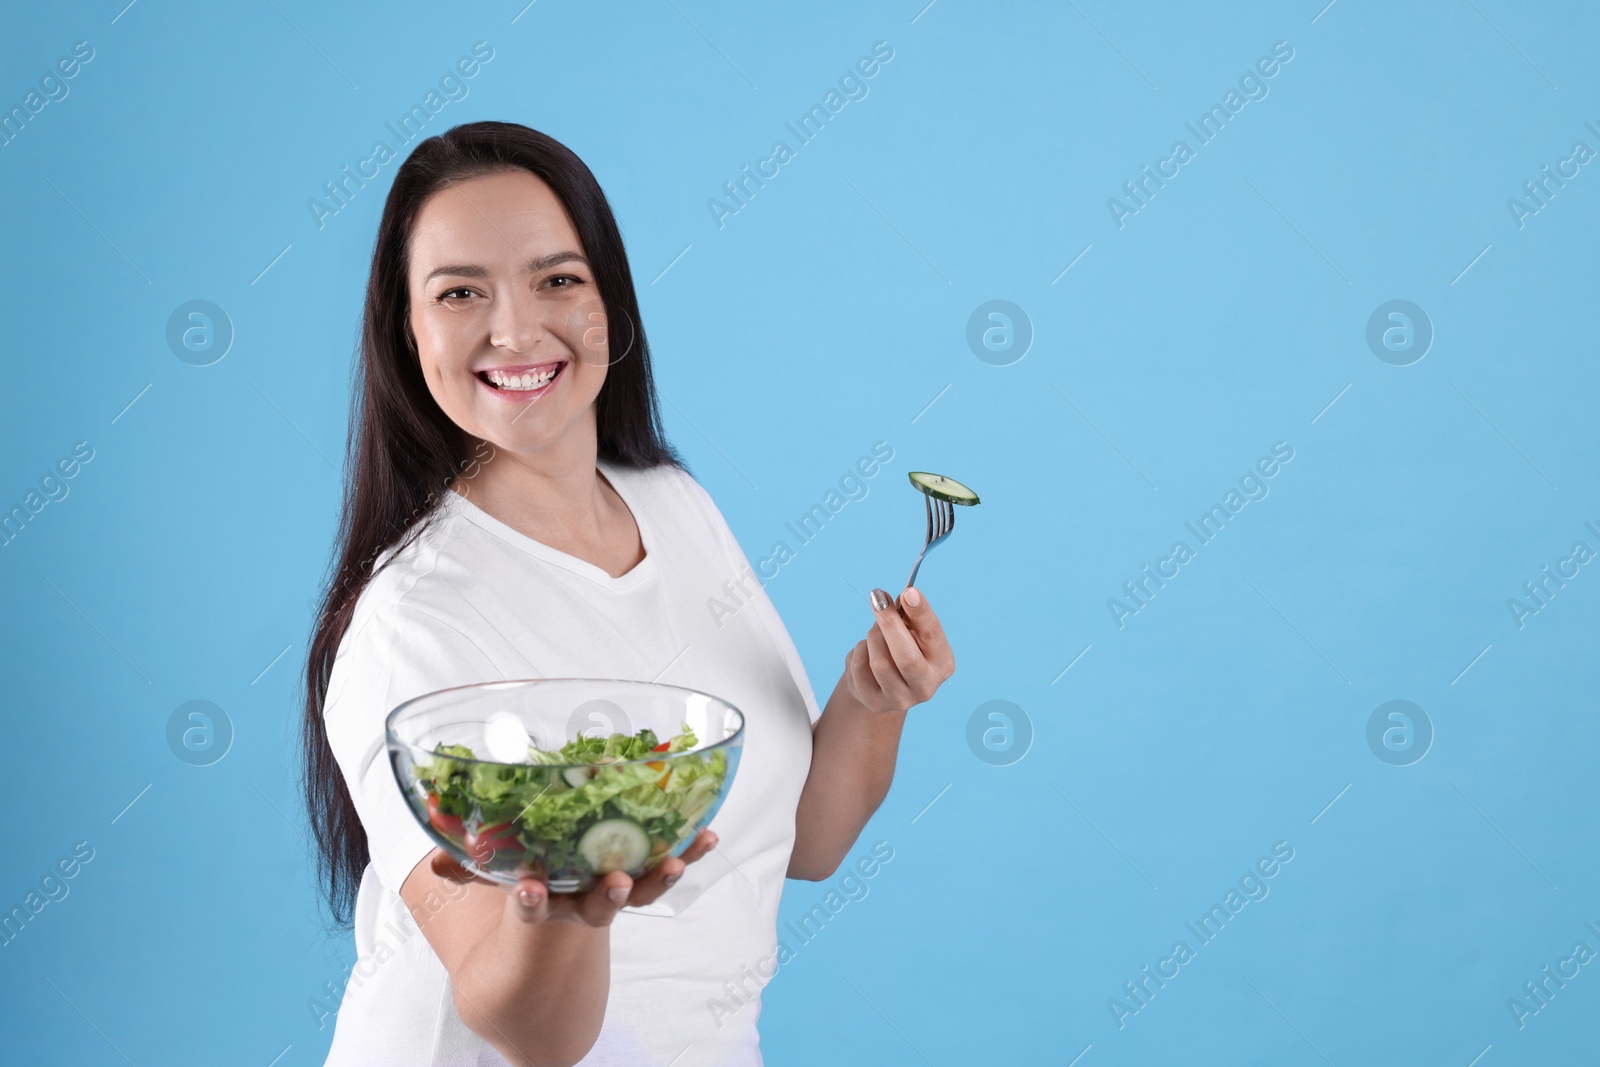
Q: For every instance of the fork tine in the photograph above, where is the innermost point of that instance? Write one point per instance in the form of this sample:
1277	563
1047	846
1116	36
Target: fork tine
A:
941	521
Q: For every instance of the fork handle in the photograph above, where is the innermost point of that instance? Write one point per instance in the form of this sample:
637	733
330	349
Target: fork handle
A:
927	539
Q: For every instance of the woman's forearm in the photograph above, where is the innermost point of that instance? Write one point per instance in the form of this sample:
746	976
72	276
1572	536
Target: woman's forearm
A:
536	992
853	753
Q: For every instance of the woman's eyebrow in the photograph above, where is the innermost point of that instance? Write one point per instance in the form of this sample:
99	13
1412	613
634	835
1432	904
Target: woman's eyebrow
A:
533	266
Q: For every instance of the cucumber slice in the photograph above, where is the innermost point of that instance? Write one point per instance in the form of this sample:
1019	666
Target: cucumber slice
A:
941	488
576	776
615	845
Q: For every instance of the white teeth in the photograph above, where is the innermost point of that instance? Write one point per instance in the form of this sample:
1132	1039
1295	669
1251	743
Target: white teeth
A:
521	381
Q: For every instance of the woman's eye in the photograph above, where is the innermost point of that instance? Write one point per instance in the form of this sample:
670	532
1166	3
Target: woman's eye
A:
451	294
570	279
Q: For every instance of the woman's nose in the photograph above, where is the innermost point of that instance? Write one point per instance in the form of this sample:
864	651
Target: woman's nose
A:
516	323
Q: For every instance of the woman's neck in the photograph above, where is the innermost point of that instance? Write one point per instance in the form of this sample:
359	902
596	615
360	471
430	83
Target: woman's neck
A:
557	497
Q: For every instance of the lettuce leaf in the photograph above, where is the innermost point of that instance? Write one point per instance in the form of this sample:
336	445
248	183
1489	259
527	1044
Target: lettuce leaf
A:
550	812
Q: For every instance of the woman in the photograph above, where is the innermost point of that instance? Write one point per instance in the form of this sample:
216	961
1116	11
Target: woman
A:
513	511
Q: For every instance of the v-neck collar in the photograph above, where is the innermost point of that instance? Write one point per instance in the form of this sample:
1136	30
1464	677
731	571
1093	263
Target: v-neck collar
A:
641	572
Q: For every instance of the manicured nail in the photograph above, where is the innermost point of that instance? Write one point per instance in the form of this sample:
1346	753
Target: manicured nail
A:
618	894
670	879
528	897
880	600
911	597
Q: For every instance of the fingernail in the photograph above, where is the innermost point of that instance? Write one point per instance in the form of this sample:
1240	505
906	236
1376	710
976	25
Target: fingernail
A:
880	600
618	894
528	897
911	597
670	879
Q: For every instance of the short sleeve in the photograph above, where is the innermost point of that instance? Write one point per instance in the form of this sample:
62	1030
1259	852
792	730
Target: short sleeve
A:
766	611
389	656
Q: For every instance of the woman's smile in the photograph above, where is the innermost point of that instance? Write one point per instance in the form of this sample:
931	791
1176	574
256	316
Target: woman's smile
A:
522	382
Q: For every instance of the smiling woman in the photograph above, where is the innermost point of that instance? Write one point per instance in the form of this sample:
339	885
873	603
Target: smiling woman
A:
547	356
502	359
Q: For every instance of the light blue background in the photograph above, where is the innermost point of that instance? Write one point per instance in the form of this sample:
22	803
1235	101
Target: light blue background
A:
1225	316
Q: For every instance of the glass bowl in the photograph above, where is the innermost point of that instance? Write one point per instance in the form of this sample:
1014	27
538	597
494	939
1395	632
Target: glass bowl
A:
567	778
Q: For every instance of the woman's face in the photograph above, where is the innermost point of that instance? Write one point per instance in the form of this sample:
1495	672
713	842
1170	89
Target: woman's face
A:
509	325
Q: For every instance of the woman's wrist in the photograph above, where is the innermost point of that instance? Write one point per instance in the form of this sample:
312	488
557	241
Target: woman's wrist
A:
540	987
542	951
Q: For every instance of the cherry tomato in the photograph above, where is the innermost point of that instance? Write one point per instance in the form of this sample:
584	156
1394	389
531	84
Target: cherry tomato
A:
483	843
445	823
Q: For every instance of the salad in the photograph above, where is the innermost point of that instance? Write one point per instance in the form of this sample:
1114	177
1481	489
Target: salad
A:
597	805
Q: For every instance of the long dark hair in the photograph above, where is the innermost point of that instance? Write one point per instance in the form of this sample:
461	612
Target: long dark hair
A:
403	451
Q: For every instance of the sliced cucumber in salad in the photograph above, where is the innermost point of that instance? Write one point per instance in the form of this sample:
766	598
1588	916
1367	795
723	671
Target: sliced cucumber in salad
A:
941	488
615	845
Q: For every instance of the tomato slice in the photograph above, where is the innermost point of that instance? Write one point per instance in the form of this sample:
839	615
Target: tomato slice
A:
443	822
483	843
657	764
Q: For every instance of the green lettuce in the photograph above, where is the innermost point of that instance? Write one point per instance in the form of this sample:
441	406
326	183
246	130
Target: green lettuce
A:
550	813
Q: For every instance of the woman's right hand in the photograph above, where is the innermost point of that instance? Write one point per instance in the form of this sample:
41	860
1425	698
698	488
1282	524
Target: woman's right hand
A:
531	901
530	969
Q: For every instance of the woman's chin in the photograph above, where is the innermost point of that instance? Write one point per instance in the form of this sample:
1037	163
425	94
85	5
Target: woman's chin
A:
531	433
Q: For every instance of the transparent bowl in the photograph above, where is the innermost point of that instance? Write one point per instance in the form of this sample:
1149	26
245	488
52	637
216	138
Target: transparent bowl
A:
500	814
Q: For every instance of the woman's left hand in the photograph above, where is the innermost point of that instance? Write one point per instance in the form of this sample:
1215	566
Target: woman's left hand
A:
904	658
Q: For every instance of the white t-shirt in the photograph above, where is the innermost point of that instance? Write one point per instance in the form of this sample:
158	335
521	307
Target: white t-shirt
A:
473	600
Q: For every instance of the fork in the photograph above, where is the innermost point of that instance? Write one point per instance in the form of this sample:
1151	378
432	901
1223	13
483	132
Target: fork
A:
941	520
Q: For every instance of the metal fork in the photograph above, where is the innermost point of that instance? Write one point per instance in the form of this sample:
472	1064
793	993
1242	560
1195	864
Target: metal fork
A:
941	520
